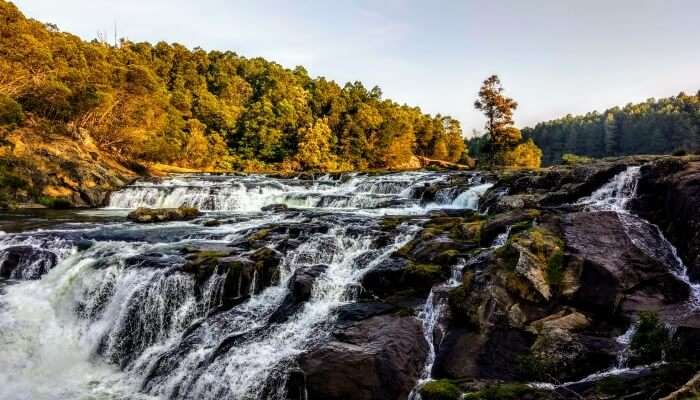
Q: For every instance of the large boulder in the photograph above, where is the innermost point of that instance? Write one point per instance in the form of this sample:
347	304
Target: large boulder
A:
379	358
150	215
616	268
668	194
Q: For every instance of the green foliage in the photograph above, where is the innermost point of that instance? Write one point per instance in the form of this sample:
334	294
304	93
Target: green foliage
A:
573	159
10	111
652	127
166	103
440	390
650	340
55	202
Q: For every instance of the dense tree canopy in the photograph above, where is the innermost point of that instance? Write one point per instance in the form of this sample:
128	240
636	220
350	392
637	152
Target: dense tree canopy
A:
652	127
166	103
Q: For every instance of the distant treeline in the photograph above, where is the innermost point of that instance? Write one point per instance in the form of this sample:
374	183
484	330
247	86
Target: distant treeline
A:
652	127
166	103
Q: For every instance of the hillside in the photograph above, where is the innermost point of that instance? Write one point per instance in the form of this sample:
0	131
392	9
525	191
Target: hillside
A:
144	103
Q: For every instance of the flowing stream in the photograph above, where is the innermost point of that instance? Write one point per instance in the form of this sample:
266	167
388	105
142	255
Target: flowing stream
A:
101	308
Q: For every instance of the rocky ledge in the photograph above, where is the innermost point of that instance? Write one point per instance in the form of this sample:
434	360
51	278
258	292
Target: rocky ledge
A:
151	215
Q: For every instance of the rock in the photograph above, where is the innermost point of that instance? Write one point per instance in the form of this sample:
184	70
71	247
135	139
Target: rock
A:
149	215
274	208
653	382
212	223
465	354
561	356
83	245
300	286
396	275
614	271
25	262
375	359
567	320
500	223
668	194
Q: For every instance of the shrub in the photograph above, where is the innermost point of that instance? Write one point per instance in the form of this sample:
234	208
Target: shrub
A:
55	202
650	340
10	111
573	159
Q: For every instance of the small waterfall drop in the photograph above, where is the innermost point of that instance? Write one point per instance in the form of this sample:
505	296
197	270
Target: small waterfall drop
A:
616	196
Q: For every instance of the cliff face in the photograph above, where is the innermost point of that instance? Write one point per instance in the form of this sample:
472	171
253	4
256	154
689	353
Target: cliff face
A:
57	171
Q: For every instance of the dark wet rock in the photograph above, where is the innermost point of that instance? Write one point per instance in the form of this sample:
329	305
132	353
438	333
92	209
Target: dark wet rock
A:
25	262
354	312
637	384
150	215
153	260
516	220
212	223
465	354
614	270
399	276
668	195
274	207
374	359
300	286
242	274
83	244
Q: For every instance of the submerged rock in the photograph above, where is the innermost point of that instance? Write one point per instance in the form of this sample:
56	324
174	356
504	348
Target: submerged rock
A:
149	215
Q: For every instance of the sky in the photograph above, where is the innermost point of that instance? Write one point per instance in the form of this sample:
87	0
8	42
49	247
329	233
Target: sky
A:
554	57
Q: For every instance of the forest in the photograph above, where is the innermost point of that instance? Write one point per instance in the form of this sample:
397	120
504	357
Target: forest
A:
661	126
169	104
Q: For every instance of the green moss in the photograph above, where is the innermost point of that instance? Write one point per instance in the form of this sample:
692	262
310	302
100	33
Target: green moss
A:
424	271
54	202
650	340
440	390
259	235
555	268
509	391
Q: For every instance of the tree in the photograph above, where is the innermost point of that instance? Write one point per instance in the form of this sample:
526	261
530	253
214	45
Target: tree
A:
503	147
314	150
498	110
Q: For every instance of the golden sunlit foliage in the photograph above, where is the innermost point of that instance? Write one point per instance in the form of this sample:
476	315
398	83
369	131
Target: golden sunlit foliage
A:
168	104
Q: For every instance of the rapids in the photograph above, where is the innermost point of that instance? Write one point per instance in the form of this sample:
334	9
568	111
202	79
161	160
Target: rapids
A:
118	317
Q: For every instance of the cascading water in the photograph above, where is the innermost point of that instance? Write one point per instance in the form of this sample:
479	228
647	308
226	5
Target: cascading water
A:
113	311
379	194
616	196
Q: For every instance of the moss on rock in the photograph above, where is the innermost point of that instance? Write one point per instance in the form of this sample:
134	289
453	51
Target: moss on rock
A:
440	390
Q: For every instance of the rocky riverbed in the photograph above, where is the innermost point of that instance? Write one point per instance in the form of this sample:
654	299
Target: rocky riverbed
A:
570	282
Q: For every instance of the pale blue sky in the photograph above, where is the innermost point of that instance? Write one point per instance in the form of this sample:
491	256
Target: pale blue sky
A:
554	56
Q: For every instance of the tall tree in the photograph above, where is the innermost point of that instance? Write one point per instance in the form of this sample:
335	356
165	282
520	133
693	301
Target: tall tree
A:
504	145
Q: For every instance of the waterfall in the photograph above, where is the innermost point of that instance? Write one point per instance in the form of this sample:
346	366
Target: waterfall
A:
430	314
616	196
377	194
107	309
